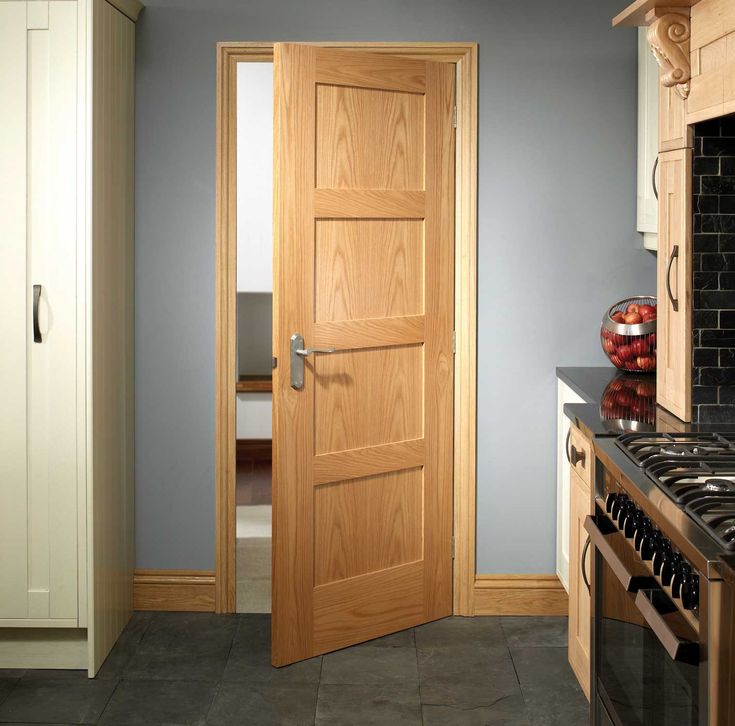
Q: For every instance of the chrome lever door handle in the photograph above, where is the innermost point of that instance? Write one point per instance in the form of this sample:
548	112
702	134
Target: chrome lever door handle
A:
298	353
309	351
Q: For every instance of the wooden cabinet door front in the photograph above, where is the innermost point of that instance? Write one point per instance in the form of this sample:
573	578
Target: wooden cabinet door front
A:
674	328
579	595
364	237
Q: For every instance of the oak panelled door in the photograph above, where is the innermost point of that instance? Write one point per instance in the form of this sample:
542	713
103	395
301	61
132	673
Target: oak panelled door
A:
364	265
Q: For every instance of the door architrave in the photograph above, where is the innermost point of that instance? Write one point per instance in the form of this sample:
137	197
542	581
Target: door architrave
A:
464	57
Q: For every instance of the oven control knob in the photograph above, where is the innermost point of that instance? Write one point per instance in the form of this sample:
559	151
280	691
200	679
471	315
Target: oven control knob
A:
682	576
609	501
643	529
661	554
632	520
628	509
617	505
670	565
690	593
649	544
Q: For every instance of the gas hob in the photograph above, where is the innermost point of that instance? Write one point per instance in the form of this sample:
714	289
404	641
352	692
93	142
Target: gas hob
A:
696	471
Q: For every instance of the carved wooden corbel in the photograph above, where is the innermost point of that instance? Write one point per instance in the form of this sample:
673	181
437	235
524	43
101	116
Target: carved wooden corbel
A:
667	37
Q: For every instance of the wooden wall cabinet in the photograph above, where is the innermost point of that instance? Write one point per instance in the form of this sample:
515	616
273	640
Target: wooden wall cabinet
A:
580	506
66	288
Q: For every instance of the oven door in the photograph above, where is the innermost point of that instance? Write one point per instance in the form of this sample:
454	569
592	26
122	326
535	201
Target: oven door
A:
646	655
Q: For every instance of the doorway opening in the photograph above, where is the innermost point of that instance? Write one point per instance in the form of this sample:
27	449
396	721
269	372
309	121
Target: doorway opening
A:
236	306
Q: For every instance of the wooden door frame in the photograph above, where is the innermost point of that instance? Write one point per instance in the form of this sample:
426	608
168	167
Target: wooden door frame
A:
464	56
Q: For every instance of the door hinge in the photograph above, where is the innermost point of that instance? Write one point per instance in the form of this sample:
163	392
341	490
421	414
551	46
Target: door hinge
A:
454	341
274	362
454	118
452	546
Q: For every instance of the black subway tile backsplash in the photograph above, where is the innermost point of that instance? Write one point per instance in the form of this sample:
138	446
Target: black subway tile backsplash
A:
713	278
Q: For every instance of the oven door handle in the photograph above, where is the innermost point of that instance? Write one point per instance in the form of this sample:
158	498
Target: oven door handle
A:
650	603
595	526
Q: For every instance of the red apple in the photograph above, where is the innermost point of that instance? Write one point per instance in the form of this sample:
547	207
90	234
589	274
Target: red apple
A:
625	352
633	318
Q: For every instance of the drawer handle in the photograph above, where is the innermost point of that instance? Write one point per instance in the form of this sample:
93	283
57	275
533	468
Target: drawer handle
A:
630	582
653	179
674	255
566	444
37	337
577	456
583	564
650	603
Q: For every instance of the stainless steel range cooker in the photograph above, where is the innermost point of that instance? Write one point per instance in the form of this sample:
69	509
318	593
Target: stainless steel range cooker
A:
662	583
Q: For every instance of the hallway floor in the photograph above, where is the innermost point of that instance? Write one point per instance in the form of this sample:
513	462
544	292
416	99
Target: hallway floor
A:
197	668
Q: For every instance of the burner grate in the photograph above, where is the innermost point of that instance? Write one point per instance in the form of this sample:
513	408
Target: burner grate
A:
717	515
646	449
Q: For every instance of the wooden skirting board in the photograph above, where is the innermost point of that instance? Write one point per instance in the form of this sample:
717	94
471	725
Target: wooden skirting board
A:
193	591
174	590
519	595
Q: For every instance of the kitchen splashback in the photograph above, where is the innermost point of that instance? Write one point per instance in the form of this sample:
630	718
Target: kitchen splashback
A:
713	317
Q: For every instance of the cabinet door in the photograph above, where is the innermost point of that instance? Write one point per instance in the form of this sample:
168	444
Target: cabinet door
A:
579	596
674	329
14	317
39	429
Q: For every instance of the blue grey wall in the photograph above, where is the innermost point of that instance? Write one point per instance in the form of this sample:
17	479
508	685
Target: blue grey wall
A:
556	239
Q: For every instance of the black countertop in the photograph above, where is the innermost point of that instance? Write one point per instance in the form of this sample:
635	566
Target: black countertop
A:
588	382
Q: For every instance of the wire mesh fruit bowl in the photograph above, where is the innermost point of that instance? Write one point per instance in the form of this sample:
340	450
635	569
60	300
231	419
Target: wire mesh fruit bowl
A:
628	334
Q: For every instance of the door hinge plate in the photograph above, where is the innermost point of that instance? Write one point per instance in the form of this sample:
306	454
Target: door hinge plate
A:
454	118
452	546
454	341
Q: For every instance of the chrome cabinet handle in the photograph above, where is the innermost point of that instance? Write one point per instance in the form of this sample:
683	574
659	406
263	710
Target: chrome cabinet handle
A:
582	563
298	353
37	338
653	178
566	445
674	255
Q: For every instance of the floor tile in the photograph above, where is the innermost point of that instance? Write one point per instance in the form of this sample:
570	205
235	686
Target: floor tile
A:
367	665
126	646
361	705
481	631
176	665
401	639
183	647
264	704
526	632
6	686
189	630
250	656
506	711
176	703
466	676
551	692
56	700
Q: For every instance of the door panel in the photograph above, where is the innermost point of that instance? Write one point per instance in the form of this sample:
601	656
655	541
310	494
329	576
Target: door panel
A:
14	319
38	423
674	329
364	238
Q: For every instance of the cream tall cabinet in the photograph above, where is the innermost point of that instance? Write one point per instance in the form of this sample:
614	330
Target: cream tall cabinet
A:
66	326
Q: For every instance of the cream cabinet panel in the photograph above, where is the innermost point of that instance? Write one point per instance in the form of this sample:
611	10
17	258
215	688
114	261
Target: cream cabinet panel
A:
39	493
66	374
648	85
564	395
15	314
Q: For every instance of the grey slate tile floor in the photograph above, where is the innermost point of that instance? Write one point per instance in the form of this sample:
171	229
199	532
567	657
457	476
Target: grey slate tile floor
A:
197	668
